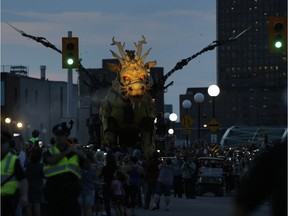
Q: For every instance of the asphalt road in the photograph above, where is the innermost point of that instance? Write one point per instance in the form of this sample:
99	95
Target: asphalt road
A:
207	205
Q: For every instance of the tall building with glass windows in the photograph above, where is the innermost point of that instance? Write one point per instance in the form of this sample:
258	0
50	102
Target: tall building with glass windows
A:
253	81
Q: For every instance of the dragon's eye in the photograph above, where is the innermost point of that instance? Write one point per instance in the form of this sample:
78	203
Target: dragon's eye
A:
126	78
142	77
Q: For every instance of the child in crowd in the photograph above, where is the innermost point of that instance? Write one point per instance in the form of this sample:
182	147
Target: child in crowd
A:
118	193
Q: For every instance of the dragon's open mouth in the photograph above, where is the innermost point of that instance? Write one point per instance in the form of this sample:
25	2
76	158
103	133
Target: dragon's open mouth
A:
135	98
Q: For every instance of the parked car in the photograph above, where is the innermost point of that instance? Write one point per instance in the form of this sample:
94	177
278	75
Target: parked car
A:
210	176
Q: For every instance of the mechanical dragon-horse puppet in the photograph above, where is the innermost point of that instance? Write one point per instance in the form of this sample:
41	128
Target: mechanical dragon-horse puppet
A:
128	108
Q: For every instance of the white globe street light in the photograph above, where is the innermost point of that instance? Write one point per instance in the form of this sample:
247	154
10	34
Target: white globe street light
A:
171	131
213	91
173	117
166	115
7	120
19	124
186	104
199	98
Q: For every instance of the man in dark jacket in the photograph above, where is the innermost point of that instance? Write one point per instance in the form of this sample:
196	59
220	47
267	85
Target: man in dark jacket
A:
150	177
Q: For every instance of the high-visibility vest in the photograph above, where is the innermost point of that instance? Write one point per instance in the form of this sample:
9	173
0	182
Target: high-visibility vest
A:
7	170
63	166
33	139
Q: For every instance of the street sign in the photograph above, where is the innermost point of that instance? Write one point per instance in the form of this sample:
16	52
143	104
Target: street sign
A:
214	138
213	125
214	147
186	121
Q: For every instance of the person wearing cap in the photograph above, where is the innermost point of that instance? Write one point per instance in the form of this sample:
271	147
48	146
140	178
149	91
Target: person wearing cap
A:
62	166
12	179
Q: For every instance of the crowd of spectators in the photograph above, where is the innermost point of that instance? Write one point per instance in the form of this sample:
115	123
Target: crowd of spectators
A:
124	179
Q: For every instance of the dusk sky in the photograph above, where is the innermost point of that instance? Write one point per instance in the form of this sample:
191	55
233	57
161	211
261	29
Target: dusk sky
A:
174	29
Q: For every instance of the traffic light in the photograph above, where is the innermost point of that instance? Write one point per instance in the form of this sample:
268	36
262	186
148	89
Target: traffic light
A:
277	34
70	52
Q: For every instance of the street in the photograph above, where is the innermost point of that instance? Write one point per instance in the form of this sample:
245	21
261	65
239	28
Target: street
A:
206	205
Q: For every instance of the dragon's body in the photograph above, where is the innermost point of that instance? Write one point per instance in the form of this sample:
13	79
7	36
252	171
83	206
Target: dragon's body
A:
128	105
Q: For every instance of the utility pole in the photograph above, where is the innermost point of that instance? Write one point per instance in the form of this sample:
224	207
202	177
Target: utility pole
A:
69	87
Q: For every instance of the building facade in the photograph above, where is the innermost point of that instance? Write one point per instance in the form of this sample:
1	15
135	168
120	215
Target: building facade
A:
253	80
36	103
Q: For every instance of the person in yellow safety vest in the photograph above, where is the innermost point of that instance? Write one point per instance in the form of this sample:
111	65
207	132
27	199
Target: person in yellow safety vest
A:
14	185
34	139
62	164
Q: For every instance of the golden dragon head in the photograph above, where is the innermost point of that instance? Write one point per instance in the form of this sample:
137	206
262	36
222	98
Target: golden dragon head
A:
133	73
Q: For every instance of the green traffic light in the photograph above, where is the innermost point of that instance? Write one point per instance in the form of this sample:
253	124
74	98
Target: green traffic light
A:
278	44
70	61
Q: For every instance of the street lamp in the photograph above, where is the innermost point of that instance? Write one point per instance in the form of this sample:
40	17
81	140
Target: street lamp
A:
199	98
171	131
19	125
213	91
7	120
186	104
172	117
166	120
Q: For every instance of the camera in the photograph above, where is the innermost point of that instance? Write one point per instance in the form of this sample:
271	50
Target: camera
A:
40	143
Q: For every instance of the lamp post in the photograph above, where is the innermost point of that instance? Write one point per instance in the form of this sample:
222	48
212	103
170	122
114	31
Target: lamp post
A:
186	104
172	117
213	91
166	115
199	98
7	120
166	126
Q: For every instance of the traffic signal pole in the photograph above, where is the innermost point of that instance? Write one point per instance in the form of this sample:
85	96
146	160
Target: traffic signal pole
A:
69	87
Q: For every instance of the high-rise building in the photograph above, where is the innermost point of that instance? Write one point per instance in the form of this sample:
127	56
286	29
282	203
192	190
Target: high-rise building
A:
253	80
